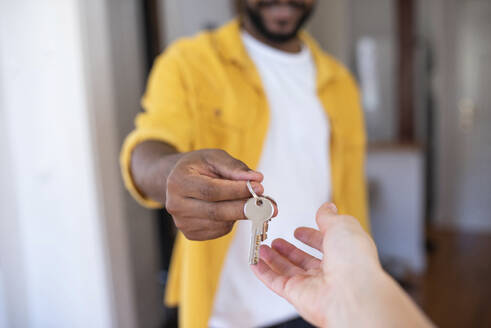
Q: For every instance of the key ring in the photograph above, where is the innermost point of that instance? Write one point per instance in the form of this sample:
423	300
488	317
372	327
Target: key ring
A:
252	190
256	197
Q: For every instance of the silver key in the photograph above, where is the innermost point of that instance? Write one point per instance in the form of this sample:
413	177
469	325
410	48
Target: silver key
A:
259	210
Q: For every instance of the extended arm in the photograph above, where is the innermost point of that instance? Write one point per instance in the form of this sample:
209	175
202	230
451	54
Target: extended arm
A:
204	190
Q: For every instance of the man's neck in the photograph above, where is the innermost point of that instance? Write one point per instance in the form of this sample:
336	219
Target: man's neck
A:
293	46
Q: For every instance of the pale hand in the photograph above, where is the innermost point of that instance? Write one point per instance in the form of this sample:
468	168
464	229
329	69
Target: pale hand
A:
348	288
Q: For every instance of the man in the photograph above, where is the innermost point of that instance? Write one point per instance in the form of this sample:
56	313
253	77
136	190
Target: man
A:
256	93
322	291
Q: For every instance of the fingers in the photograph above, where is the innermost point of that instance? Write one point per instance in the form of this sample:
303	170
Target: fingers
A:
275	205
273	280
326	212
215	190
310	237
182	207
189	208
295	255
230	210
230	168
278	262
202	229
212	175
274	270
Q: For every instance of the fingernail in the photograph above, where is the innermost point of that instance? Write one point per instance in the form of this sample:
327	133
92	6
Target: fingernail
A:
332	207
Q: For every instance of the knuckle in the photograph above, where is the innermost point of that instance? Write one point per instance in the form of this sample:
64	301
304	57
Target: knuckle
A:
212	152
180	225
172	206
228	227
216	234
221	155
219	229
207	191
212	212
172	181
239	211
196	235
169	206
219	151
190	235
241	165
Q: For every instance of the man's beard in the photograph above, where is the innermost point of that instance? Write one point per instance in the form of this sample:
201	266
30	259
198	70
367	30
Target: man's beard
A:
257	21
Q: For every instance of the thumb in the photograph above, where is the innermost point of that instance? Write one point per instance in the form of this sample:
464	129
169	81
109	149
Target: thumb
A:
233	169
326	212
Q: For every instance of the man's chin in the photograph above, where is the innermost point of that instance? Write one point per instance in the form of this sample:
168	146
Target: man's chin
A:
281	38
281	31
274	31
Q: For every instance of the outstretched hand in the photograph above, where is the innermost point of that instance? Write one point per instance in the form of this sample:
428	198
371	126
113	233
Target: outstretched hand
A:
347	288
206	192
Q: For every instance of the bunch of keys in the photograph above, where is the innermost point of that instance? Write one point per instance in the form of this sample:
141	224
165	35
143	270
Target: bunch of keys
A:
259	210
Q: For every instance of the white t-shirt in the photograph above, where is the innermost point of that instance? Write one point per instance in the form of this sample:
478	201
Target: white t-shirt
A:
296	168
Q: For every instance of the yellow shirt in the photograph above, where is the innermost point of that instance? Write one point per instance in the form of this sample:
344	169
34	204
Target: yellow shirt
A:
205	92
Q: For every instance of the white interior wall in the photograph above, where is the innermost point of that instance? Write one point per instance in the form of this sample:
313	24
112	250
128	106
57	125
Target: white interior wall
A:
44	108
75	251
396	184
13	301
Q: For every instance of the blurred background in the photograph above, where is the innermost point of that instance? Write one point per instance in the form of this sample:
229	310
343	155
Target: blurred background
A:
77	251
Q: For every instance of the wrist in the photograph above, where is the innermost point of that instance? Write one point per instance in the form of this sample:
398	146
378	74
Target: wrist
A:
157	175
380	302
353	295
166	163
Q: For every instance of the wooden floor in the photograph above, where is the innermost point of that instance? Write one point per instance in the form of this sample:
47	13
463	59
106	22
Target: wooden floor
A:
456	289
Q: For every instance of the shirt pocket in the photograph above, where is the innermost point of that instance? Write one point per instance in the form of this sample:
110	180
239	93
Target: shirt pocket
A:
220	126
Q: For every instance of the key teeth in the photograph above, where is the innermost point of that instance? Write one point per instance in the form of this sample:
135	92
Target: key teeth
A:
254	260
259	233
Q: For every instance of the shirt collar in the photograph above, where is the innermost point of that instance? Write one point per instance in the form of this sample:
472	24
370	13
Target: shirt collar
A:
229	44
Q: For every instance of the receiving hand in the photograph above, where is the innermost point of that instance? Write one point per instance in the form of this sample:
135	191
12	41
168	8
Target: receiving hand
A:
347	288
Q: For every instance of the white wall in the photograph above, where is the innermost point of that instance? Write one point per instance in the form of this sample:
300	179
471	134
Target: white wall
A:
12	296
395	176
71	74
45	113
